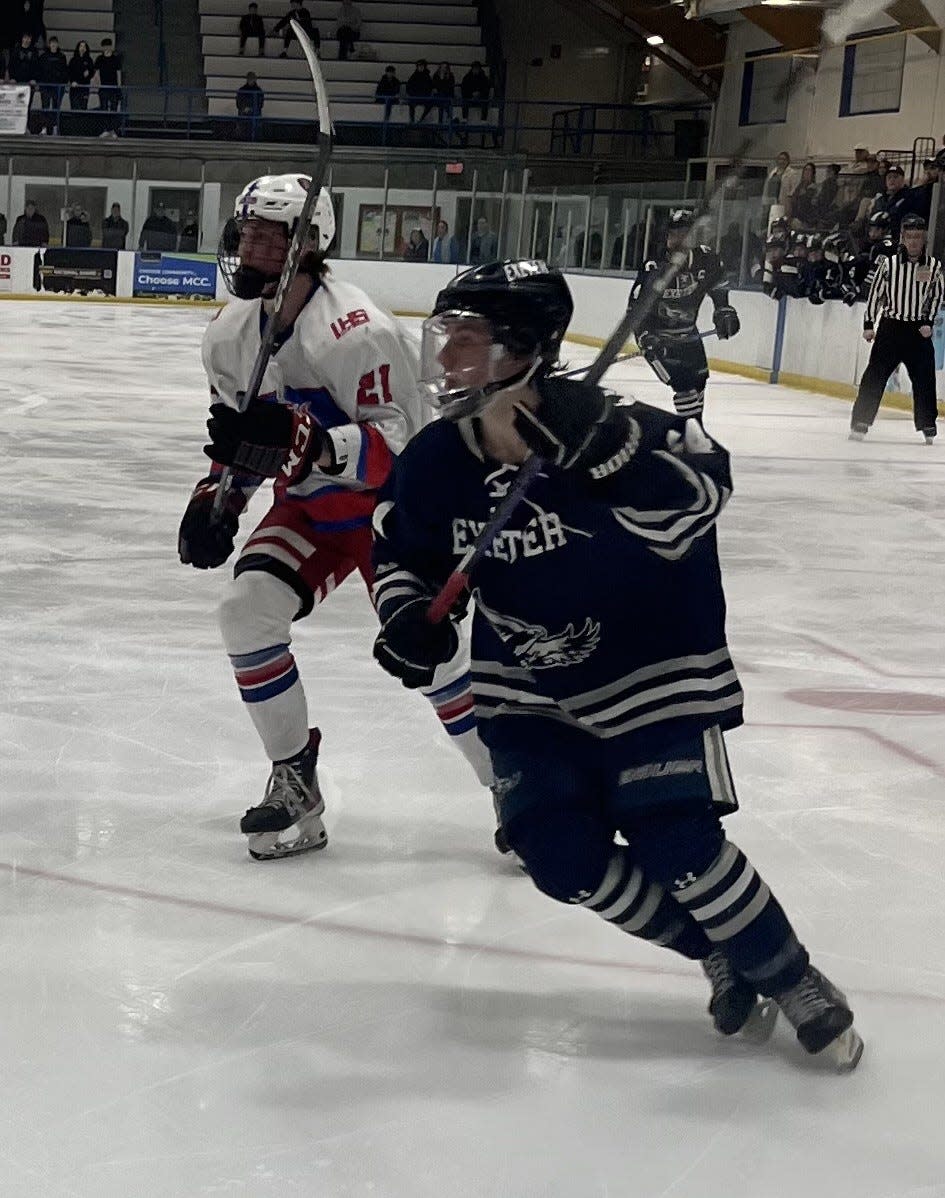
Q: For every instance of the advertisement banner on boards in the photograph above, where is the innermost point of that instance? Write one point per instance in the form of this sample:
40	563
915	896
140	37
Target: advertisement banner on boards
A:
14	109
175	274
66	270
6	271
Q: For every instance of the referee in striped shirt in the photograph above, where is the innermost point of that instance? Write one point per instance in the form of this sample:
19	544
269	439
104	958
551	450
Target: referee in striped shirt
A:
906	292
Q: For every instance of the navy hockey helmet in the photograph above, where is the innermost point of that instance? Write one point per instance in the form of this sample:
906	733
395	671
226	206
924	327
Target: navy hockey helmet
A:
880	220
680	218
493	327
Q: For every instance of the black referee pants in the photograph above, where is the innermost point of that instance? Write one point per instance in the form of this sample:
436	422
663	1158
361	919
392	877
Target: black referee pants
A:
898	342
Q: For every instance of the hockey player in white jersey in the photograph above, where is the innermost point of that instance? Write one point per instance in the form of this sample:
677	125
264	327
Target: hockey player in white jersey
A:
344	377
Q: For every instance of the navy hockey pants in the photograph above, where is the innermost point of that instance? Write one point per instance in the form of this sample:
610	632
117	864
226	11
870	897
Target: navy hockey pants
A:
562	801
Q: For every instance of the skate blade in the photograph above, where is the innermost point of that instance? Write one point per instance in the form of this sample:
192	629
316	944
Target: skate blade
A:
266	846
759	1025
844	1053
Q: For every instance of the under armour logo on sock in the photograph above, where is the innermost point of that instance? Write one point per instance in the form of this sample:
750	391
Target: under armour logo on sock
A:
682	883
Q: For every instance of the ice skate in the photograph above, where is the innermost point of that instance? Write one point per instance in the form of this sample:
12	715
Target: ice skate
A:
929	435
858	432
735	1005
819	1013
292	801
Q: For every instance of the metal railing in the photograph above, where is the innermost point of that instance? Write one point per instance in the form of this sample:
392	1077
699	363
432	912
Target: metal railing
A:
517	126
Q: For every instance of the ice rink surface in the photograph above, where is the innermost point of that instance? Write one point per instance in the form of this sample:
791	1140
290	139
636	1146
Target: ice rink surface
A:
403	1015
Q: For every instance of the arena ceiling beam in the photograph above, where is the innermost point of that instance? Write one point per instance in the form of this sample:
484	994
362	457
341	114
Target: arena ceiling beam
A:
695	49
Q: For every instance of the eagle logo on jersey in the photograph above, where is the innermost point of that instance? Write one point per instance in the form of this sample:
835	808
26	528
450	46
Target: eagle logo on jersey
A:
535	647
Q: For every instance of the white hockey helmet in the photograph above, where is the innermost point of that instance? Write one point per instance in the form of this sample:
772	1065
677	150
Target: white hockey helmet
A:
280	198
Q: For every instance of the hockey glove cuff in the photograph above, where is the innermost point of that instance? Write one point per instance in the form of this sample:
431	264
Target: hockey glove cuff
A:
410	648
269	439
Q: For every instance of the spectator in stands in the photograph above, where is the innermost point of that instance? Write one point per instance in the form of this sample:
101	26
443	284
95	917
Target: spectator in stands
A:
803	205
387	90
23	66
444	88
894	200
300	14
3	229
189	233
485	244
420	87
861	156
29	19
445	246
827	194
31	228
475	87
251	25
53	75
349	28
78	229
81	70
114	230
920	197
249	105
108	71
417	248
780	184
158	232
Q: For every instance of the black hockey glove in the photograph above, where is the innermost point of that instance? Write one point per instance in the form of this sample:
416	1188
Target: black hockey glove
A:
268	439
649	345
410	648
203	541
726	321
578	427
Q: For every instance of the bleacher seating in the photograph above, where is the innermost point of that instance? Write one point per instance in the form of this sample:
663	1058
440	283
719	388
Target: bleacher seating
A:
73	21
398	33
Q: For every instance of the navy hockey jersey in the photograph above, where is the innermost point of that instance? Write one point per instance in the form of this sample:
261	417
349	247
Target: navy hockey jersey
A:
599	606
699	273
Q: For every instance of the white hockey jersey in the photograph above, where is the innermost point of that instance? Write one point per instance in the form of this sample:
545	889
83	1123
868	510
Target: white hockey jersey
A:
348	363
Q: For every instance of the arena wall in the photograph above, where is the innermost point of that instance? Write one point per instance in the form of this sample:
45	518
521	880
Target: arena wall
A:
792	342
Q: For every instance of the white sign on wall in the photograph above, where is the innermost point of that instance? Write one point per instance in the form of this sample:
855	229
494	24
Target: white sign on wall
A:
14	108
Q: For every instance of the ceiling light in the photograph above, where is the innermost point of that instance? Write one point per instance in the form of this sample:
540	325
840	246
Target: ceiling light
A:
654	40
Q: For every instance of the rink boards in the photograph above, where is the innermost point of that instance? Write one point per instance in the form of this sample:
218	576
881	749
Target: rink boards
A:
790	342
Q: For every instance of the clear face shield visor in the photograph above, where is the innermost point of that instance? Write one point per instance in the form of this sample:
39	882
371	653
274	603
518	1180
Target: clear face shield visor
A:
462	365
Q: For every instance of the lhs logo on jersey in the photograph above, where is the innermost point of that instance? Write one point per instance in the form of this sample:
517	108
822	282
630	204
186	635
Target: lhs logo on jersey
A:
535	647
344	324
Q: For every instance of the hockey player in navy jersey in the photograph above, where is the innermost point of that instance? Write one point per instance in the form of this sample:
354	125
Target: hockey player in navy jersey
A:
346	375
668	335
600	717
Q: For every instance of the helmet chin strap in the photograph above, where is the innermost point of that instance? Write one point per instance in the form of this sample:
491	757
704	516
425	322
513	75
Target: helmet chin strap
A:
474	401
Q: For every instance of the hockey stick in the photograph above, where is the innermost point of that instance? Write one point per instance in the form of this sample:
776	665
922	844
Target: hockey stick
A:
290	268
621	358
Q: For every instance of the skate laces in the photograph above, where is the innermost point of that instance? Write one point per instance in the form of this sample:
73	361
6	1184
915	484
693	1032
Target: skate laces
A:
810	997
288	790
719	971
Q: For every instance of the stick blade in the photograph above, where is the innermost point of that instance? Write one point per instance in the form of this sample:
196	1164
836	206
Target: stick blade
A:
315	67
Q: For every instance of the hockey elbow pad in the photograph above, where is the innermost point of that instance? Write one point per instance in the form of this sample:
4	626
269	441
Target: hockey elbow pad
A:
726	321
